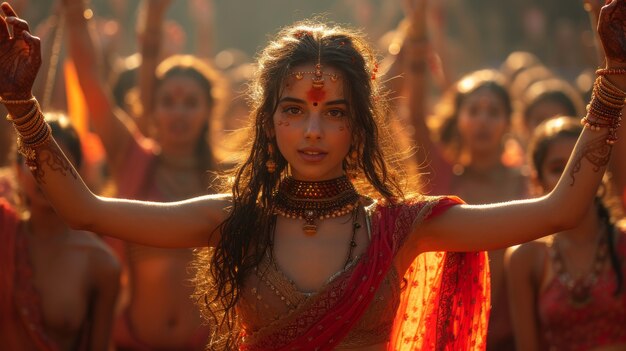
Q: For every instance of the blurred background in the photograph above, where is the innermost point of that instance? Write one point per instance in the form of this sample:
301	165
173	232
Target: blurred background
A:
484	32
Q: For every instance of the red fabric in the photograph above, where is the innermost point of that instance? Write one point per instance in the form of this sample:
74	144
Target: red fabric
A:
601	322
338	307
441	309
139	158
20	313
138	161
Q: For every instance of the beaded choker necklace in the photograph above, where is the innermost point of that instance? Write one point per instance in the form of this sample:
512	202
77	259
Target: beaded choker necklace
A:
313	201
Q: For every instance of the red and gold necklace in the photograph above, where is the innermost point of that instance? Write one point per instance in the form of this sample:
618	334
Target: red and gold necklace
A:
580	289
313	201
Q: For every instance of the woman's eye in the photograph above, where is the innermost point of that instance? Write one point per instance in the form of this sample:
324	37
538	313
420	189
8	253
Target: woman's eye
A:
292	110
336	113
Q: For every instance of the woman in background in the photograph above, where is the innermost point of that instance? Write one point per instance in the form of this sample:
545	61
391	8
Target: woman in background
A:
567	290
59	286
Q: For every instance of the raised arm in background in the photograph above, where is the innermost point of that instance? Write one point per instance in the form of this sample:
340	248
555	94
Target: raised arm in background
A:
114	127
415	64
202	12
187	223
485	227
150	37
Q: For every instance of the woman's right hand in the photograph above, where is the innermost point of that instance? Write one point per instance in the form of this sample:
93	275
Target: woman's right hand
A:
20	56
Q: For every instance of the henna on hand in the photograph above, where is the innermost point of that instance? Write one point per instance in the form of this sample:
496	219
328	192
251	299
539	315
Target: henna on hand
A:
612	30
596	151
20	56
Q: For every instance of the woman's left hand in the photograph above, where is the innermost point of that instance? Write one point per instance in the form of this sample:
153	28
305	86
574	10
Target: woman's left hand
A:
20	56
612	32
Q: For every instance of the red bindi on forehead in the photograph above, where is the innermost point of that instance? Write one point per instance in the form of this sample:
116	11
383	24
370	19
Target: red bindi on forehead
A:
315	95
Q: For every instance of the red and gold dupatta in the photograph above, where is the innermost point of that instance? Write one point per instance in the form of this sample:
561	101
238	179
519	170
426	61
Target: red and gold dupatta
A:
445	305
440	309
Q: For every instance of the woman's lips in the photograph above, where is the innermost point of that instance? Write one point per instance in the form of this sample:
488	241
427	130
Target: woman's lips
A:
312	155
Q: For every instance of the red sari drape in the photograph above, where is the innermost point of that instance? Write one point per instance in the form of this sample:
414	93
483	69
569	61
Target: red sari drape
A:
20	313
444	305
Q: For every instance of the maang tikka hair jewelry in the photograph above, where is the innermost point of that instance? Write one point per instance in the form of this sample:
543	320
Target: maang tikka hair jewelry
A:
313	201
318	74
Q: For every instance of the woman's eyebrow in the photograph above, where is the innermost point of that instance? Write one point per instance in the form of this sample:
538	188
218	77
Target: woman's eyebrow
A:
337	102
291	99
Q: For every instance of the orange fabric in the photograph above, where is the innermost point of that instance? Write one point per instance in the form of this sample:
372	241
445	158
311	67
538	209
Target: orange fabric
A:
76	106
445	305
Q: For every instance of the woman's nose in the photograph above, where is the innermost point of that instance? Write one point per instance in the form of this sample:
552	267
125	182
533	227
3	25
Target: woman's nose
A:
313	126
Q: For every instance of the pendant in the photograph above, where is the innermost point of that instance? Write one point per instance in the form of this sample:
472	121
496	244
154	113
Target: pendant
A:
579	295
310	228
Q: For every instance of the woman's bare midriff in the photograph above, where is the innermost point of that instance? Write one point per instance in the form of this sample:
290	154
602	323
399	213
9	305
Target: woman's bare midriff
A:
162	312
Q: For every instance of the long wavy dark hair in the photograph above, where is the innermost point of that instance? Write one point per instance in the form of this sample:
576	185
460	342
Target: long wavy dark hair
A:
245	234
607	206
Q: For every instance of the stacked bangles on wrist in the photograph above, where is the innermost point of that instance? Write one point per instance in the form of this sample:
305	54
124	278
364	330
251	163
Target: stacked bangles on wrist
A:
32	130
605	108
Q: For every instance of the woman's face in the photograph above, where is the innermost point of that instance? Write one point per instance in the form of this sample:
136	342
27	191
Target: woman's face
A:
554	163
482	121
181	111
311	125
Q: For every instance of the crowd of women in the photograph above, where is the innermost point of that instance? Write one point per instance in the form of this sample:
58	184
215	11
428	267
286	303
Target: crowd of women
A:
342	201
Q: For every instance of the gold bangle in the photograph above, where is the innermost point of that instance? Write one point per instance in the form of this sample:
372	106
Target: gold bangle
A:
34	134
19	120
611	71
611	87
27	118
17	102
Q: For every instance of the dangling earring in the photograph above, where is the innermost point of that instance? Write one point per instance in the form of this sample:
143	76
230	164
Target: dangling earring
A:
352	169
270	164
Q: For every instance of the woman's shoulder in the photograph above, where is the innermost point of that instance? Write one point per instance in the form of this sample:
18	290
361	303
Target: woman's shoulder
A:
412	200
529	252
423	206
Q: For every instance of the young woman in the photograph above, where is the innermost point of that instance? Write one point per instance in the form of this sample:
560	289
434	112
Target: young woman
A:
170	164
302	259
58	286
567	290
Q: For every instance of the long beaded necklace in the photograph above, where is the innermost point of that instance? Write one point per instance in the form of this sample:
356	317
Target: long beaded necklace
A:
351	246
313	201
580	288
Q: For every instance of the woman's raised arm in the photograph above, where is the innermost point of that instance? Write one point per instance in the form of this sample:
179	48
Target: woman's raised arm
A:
114	127
486	227
415	52
189	223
